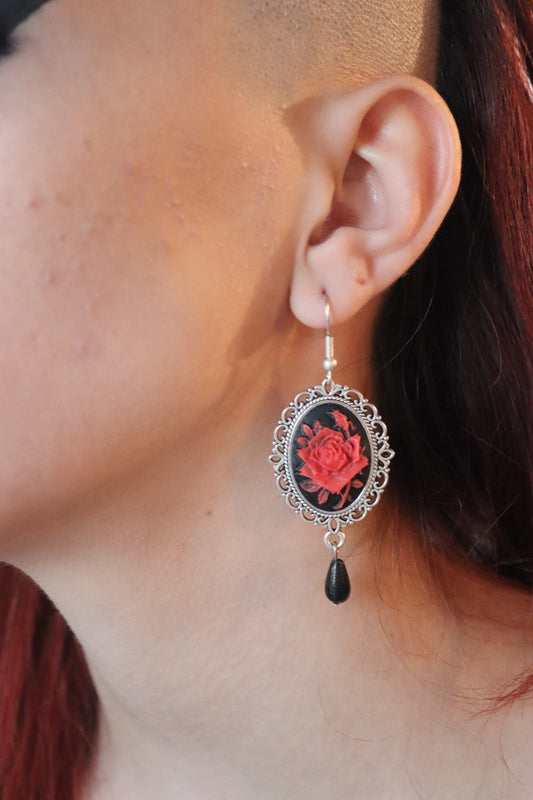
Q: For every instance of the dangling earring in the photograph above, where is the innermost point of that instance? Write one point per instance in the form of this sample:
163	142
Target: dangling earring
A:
331	460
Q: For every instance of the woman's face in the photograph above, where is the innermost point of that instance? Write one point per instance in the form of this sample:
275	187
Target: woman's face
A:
144	196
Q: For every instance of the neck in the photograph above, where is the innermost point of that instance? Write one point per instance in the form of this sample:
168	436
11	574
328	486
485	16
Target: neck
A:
221	667
269	691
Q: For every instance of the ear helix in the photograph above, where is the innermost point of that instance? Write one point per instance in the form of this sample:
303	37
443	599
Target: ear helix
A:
331	459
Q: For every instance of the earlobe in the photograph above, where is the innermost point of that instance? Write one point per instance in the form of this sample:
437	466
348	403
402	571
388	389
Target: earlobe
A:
390	155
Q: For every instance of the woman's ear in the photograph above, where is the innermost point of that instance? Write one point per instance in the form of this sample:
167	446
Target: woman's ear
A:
383	166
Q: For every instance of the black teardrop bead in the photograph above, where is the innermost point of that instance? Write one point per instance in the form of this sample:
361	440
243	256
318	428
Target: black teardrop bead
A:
337	582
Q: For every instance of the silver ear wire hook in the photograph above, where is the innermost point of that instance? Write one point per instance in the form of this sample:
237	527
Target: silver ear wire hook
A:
330	361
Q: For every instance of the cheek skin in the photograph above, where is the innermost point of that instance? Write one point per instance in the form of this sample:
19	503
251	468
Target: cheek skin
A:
133	241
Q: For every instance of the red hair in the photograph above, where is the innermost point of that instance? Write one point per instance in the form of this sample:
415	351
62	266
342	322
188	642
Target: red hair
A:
454	346
48	705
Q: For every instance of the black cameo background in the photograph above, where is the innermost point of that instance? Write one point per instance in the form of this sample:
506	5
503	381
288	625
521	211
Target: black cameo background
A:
330	456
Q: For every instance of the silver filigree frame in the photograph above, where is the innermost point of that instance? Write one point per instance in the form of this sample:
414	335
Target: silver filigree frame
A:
380	454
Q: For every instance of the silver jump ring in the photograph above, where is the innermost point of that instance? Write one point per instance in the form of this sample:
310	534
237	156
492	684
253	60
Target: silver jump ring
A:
329	540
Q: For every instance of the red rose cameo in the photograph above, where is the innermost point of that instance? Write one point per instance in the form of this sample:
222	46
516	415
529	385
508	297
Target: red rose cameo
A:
331	455
332	458
329	462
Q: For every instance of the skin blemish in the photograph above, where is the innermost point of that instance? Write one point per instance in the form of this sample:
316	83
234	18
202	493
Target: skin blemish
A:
34	202
85	347
165	245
